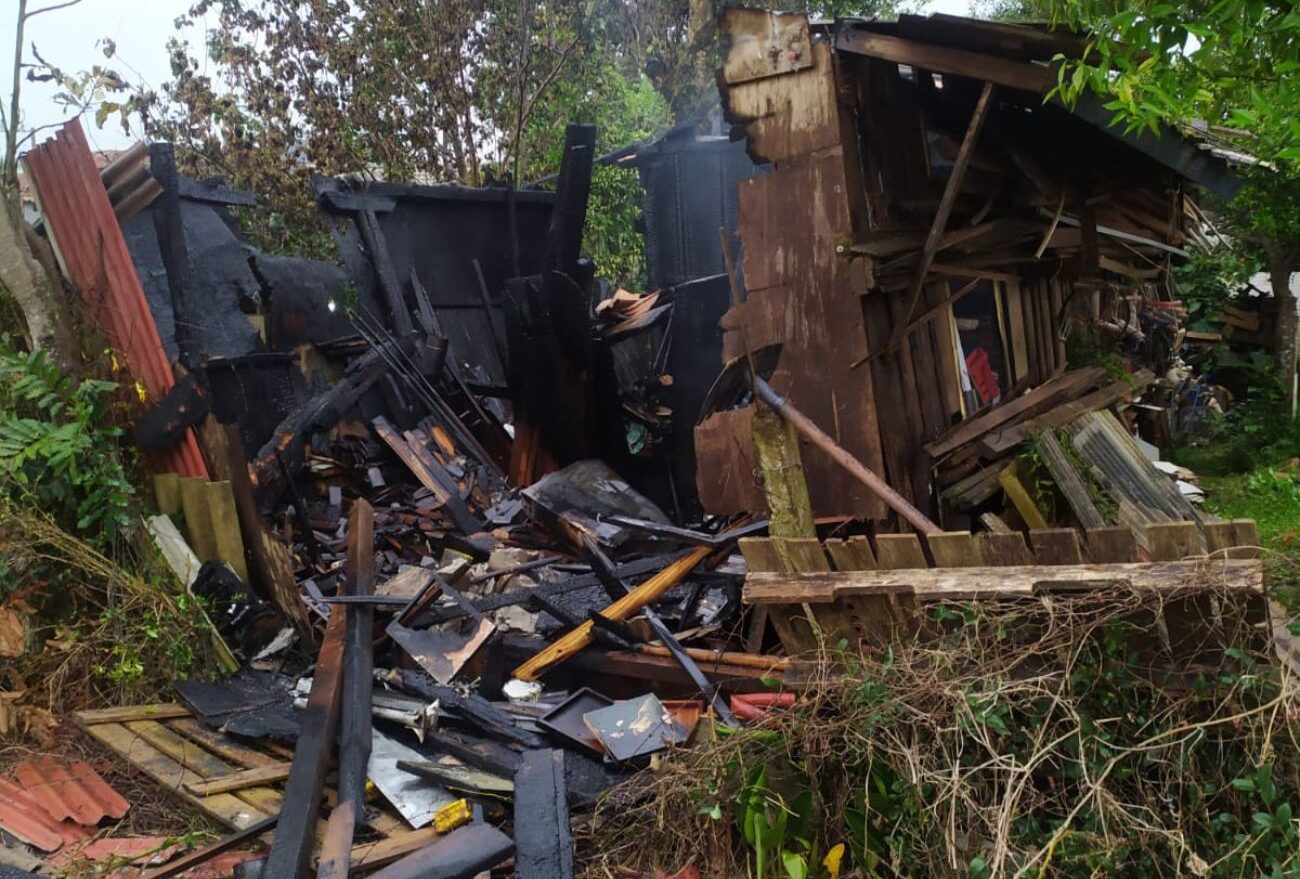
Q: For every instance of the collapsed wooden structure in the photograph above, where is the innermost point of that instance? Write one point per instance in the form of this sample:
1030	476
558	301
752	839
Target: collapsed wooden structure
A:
931	231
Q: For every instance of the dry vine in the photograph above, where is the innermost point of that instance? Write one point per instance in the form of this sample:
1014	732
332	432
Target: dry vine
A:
1107	732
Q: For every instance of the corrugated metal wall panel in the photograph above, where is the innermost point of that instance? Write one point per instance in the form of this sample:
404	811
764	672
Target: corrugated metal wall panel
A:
86	235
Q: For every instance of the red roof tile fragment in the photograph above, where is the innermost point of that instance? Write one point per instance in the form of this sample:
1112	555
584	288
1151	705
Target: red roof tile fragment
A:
72	791
23	816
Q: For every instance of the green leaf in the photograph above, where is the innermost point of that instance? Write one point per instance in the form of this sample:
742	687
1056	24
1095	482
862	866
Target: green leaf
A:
796	866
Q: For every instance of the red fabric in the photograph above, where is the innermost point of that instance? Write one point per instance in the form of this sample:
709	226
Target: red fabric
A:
981	375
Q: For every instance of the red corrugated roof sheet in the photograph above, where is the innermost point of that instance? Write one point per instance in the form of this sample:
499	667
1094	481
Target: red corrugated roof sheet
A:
89	243
22	815
74	790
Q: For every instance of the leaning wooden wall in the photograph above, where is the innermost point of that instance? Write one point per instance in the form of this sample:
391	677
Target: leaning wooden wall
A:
803	291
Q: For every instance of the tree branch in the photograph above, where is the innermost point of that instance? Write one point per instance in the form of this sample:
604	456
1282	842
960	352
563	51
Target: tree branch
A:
65	5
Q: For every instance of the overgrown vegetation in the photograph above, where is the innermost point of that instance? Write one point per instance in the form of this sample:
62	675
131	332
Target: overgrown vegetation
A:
59	450
112	632
108	623
1044	738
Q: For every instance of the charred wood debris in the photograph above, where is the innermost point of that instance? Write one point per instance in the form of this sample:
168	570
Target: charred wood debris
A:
469	522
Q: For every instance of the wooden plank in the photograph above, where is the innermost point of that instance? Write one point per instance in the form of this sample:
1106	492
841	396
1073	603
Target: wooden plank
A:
1010	291
225	808
994	523
1056	546
649	591
1023	580
221	745
1112	544
430	474
271	559
1020	497
1004	549
1067	412
1049	394
157	711
1012	74
853	554
954	549
1068	480
292	845
245	778
780	464
384	851
1247	539
224	522
940	222
971	491
1171	541
898	551
205	765
543	836
167	492
198	521
804	554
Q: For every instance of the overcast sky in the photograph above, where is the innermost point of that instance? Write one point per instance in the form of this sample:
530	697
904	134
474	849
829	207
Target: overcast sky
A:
68	39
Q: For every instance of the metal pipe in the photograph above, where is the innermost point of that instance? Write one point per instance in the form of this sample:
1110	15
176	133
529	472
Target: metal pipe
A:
899	504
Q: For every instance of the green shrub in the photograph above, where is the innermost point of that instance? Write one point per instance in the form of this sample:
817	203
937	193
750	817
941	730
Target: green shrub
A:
59	446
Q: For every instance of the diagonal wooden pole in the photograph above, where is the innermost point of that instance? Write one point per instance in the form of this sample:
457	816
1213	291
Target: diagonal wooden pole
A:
946	203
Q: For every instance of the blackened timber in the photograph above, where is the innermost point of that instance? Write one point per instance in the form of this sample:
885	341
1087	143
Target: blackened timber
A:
622	633
461	854
211	850
486	296
476	709
358	689
636	568
543	837
181	408
430	474
171	243
564	238
707	690
324	409
199	190
292	844
373	238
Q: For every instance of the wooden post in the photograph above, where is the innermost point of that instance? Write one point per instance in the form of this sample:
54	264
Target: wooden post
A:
950	190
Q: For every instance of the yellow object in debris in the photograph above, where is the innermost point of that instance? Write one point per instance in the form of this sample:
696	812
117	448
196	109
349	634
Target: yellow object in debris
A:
452	815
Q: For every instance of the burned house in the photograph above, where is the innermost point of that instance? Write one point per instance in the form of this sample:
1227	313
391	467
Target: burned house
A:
933	236
498	510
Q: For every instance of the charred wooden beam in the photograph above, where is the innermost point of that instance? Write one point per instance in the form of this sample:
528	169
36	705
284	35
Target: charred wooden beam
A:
292	844
358	690
211	850
543	837
564	238
473	708
373	238
461	854
431	475
321	410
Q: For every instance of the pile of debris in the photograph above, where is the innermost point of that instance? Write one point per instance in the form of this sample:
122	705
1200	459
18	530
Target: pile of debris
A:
476	530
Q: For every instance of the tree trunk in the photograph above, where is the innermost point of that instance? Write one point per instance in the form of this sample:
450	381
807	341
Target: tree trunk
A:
1279	270
27	282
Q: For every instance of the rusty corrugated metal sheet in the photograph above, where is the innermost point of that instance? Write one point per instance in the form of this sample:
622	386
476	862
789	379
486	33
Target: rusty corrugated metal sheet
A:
72	790
89	244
